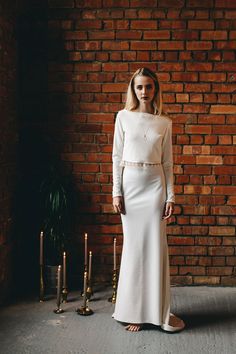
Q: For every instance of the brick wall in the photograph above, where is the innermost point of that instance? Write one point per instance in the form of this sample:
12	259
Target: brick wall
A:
94	47
8	142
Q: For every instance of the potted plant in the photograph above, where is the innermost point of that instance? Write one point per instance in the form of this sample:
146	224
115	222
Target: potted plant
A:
56	213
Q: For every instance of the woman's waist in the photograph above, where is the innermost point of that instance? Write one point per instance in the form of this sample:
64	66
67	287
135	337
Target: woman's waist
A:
139	163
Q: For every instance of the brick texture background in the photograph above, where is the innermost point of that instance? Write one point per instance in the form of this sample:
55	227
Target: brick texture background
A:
95	46
75	60
8	141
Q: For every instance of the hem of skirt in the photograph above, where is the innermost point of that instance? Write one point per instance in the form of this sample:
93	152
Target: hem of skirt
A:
142	322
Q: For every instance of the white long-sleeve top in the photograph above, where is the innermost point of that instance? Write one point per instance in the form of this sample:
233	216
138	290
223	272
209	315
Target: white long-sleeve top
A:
142	137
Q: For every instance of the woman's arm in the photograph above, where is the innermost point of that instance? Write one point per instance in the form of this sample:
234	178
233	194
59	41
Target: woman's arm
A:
167	162
118	143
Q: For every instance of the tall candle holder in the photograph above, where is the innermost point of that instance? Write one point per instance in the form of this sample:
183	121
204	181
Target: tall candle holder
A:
41	280
114	275
41	285
114	286
64	287
58	310
89	288
84	310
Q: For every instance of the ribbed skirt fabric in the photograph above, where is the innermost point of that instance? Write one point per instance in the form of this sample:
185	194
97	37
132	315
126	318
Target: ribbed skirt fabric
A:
143	291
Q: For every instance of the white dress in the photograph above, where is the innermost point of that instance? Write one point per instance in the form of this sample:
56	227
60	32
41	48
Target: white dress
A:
143	292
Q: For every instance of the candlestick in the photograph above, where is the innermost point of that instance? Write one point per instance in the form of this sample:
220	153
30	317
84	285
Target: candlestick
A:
90	264
41	249
41	280
114	286
114	254
41	285
89	287
64	287
85	249
85	310
58	309
64	269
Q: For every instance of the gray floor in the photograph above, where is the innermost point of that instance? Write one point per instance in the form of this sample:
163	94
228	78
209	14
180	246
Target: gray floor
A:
209	314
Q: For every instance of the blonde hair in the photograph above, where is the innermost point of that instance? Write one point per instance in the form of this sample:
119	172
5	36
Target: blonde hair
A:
131	99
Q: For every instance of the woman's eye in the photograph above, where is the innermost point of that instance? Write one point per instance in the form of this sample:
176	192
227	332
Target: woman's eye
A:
149	87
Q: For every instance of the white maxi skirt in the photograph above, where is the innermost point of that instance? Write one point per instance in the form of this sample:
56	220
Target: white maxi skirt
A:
143	290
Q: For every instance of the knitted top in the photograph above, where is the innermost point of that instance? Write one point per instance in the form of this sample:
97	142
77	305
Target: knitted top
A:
142	137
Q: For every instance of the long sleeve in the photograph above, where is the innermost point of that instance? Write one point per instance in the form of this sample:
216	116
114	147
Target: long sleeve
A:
118	144
167	162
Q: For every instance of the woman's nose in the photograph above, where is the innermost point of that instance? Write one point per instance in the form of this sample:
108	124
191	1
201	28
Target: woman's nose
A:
144	90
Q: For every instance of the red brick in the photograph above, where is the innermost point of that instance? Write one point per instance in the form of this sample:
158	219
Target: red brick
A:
192	270
225	109
115	45
230	190
170	45
114	87
199	45
169	3
85	24
198	24
143	45
143	24
161	34
213	160
223	210
213	35
210	280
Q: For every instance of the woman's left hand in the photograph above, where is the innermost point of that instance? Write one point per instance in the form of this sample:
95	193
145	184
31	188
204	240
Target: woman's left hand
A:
168	210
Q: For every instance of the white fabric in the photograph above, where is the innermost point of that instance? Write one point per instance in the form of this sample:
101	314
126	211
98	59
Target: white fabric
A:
143	293
142	137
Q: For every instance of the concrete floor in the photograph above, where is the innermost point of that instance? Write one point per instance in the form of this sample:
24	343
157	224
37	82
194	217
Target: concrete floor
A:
209	314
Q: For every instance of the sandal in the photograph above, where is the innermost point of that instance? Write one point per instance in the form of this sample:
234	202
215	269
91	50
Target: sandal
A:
169	328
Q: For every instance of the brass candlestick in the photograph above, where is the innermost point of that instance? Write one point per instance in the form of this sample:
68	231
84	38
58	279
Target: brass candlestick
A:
85	310
64	294
114	286
64	287
85	273
89	288
58	309
41	284
89	291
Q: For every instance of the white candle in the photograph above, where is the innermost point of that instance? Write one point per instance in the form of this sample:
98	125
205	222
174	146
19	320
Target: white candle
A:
114	253
85	249
64	270
90	265
58	286
41	249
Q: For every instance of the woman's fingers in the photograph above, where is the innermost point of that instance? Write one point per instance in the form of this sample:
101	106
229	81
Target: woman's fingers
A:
168	210
118	205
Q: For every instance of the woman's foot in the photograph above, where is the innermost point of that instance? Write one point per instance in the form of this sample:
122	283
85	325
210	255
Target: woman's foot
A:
175	324
134	327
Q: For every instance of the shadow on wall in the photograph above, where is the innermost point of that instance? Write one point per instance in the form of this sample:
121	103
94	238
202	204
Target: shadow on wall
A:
37	145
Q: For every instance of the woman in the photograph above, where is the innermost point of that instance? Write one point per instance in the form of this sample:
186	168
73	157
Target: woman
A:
143	193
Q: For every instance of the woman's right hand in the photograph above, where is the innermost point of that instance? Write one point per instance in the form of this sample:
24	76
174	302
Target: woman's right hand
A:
118	205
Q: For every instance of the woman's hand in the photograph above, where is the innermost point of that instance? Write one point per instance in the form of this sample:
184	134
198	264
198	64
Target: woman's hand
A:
168	210
118	205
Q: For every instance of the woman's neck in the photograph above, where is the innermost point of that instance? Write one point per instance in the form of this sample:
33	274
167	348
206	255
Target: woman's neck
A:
145	109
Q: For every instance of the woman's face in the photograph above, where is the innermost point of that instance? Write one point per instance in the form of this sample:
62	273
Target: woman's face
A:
144	89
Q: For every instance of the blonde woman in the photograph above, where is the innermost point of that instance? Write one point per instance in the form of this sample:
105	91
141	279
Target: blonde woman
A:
144	196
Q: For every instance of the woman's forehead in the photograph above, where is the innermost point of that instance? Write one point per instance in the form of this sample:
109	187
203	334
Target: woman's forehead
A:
143	80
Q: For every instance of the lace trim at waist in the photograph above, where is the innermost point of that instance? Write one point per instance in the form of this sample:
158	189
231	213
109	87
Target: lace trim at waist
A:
139	164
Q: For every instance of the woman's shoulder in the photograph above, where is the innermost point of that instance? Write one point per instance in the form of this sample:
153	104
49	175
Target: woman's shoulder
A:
165	117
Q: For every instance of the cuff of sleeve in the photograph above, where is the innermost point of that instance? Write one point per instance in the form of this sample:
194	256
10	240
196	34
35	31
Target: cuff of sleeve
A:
116	194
